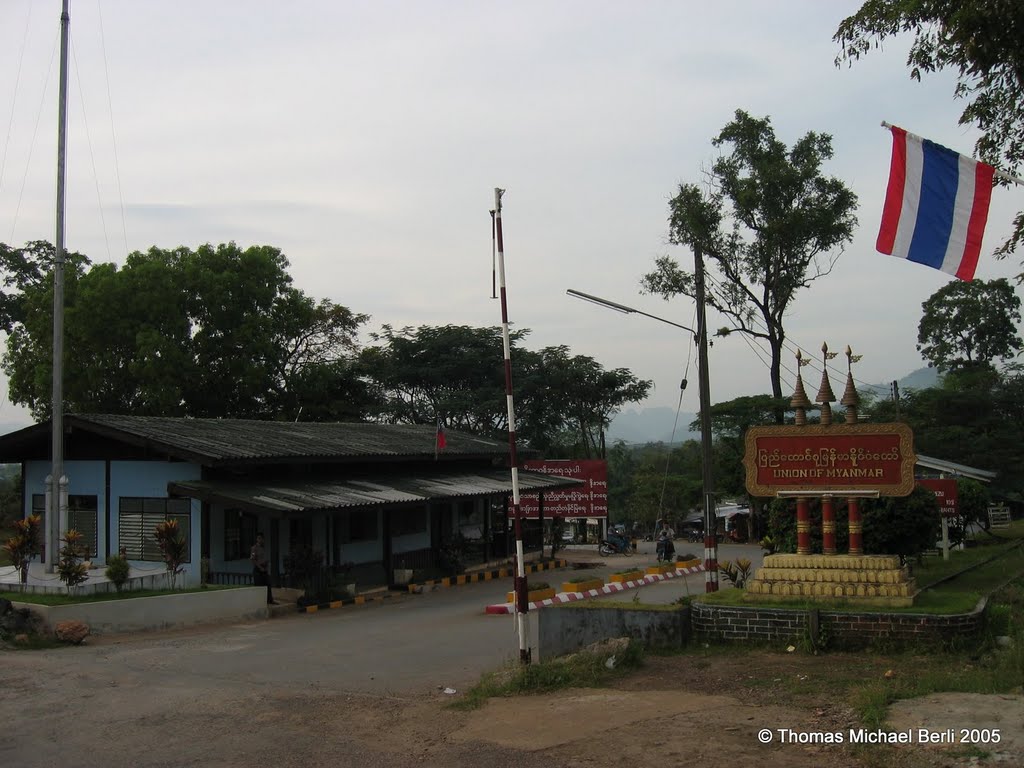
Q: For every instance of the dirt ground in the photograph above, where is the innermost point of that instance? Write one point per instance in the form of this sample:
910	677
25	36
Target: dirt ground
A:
712	709
676	710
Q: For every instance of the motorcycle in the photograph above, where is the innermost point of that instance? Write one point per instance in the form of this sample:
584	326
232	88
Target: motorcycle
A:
614	546
666	550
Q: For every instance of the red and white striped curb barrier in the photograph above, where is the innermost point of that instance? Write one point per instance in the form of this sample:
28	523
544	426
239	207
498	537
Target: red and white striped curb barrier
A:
607	589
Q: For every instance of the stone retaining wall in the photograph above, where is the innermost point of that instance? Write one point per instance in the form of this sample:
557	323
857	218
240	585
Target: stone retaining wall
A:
853	629
568	628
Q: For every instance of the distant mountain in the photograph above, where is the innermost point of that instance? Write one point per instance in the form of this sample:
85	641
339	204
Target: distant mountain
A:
651	425
654	425
922	378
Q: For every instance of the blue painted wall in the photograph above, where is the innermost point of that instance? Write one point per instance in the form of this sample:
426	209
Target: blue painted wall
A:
127	478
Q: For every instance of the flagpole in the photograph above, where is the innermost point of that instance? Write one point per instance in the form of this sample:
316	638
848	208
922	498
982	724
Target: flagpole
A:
519	582
1001	174
494	279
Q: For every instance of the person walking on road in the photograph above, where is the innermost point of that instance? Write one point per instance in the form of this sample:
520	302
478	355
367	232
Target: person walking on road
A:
260	572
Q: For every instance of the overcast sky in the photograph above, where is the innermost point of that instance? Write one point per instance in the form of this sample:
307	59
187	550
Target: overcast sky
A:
365	140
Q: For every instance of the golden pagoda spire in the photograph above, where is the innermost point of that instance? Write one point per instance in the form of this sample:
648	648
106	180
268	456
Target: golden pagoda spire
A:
825	394
799	402
851	399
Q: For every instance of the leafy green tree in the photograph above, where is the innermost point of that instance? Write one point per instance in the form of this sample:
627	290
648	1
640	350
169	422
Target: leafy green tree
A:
969	323
27	268
973	418
456	374
983	41
215	332
575	397
453	373
770	224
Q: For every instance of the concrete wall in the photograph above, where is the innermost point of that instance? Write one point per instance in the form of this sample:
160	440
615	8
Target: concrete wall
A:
161	612
567	628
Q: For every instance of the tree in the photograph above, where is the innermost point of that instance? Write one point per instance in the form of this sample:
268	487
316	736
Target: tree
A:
983	40
970	323
973	418
569	401
770	224
215	332
454	373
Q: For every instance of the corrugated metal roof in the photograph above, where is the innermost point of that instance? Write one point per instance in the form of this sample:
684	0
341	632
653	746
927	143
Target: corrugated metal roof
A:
310	495
952	468
221	441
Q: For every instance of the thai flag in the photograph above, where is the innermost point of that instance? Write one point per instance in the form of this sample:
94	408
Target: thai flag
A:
936	205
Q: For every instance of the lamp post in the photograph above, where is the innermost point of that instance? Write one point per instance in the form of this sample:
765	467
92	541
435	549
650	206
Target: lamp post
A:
710	519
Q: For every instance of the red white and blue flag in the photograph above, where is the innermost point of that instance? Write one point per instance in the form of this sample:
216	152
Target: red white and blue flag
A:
936	205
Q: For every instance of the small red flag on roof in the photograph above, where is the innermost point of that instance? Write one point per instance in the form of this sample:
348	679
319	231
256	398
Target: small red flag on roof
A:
441	441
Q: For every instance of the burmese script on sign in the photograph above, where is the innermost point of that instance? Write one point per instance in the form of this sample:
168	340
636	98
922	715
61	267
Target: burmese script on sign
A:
841	457
588	500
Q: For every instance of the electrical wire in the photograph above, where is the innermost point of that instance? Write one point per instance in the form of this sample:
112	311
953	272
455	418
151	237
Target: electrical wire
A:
14	97
675	422
35	134
113	135
787	343
92	154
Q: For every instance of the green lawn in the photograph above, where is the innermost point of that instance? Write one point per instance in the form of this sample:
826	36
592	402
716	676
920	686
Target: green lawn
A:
955	595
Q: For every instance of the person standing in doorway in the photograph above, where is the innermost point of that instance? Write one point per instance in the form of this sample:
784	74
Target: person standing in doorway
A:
260	571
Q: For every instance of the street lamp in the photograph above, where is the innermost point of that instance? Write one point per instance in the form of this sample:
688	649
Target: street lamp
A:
710	519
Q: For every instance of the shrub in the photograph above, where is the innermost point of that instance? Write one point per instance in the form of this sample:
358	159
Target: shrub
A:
24	544
737	572
117	571
70	568
172	546
902	526
451	555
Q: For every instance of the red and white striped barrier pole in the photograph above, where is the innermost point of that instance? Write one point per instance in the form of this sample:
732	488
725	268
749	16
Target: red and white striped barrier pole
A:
519	582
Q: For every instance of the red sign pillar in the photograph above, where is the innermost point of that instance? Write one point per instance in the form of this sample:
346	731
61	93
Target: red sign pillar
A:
828	526
803	527
856	528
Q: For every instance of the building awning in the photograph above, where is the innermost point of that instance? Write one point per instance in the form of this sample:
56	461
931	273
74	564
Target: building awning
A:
954	469
369	491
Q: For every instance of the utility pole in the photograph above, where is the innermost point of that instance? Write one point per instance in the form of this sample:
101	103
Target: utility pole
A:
710	515
57	510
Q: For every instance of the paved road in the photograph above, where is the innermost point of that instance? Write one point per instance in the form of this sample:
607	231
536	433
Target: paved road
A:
115	700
